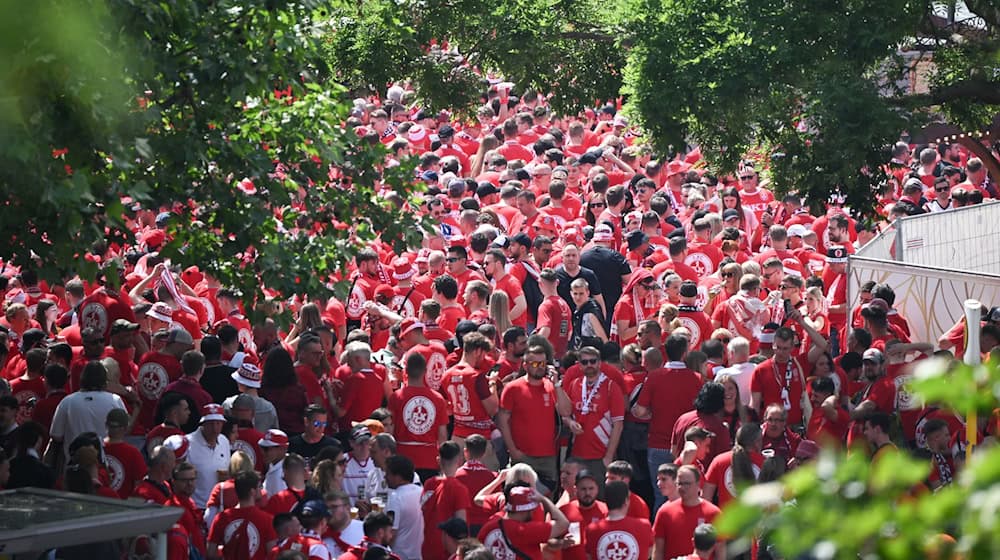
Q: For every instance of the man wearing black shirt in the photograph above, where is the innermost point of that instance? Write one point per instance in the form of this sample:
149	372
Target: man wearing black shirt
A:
611	268
217	379
309	443
570	270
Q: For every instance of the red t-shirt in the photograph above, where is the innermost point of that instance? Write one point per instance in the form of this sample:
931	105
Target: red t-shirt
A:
630	537
156	371
720	473
512	288
532	416
597	409
283	501
361	393
191	521
436	356
475	476
770	380
696	321
675	524
125	467
24	390
243	533
527	537
441	499
311	547
668	392
99	310
466	388
555	314
585	516
418	413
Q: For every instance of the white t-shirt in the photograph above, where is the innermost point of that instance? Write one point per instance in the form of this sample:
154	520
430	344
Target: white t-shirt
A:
274	481
208	461
352	535
83	411
408	521
741	374
356	475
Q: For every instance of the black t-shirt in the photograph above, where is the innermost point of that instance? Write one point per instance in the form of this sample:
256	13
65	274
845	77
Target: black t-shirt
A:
609	266
565	280
218	381
298	445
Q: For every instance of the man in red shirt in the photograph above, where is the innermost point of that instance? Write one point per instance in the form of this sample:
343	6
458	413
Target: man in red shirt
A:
101	308
421	416
182	484
494	265
835	285
412	340
159	368
473	403
622	471
244	531
443	498
193	366
692	317
125	463
363	286
673	529
56	377
667	394
154	488
515	535
554	315
598	414
475	475
528	408
586	510
620	534
364	385
302	534
709	408
176	412
511	149
780	379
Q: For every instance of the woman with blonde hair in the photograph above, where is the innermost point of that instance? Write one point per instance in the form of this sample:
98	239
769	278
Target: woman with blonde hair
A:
500	310
521	472
328	475
224	493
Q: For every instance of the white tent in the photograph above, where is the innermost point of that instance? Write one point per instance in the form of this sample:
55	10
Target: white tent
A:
934	262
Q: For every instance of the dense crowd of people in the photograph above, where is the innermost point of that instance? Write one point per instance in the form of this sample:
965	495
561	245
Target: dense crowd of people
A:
593	351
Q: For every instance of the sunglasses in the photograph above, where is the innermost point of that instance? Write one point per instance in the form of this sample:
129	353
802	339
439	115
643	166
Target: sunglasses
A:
319	424
597	204
452	259
649	286
536	363
727	274
942	189
746	177
342	462
589	362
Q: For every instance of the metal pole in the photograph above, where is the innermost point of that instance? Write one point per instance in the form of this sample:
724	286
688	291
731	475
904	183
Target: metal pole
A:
972	357
161	546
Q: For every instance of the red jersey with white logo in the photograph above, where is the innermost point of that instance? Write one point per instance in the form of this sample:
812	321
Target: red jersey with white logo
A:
696	321
418	413
244	533
125	467
436	357
525	536
757	202
361	393
246	441
27	392
99	310
629	538
156	371
466	388
597	406
720	473
156	436
364	290
243	329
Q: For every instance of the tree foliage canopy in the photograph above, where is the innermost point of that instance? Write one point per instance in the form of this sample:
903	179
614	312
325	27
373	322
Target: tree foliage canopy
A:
223	110
844	507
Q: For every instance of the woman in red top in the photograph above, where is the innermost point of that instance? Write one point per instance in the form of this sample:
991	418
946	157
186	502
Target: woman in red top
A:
280	385
815	316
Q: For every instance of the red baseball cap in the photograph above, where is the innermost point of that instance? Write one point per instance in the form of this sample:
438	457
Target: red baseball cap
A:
273	438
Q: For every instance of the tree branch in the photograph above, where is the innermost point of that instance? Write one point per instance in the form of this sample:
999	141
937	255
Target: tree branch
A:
974	90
